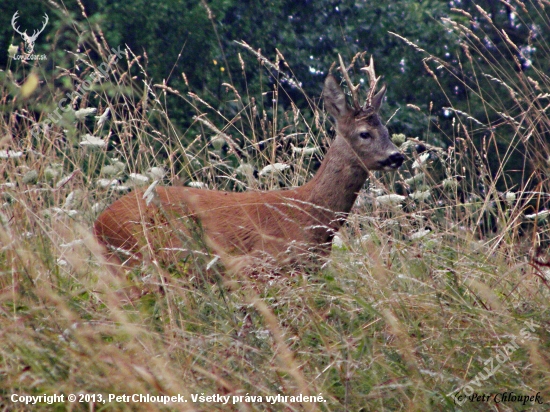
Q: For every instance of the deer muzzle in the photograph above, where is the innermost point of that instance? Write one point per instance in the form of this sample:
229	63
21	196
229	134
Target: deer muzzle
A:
392	162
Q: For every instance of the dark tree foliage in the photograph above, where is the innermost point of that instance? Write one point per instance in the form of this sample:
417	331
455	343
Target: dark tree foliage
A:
310	34
198	38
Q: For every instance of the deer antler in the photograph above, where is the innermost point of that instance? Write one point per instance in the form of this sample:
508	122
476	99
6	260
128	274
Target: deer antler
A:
37	32
13	21
353	89
29	40
373	81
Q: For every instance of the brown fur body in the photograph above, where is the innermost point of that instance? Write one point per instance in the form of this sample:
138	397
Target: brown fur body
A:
286	226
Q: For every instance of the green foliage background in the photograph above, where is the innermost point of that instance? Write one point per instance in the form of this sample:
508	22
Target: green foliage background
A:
198	38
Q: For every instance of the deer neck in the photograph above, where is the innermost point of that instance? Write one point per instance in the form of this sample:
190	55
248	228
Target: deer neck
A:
337	182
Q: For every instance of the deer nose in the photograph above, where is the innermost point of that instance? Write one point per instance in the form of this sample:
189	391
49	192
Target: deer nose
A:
393	161
396	160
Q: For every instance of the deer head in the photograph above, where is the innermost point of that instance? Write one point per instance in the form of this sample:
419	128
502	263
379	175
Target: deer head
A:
29	40
361	126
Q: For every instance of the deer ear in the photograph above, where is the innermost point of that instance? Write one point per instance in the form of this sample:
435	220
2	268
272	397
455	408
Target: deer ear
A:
335	99
378	97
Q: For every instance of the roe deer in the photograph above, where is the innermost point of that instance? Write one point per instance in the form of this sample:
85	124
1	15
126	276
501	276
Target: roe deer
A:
248	229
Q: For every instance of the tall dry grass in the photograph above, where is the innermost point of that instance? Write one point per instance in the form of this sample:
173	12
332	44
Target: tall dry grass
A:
433	276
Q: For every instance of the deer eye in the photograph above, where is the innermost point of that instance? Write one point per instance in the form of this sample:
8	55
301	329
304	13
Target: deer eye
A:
365	135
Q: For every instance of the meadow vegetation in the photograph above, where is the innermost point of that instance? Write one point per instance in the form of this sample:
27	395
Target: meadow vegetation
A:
443	265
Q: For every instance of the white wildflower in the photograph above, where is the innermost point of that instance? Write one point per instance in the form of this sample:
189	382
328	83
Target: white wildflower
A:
407	145
390	199
193	160
138	179
156	173
337	242
276	167
31	177
391	222
245	169
75	242
64	180
422	159
149	194
510	197
12	50
8	154
376	192
196	185
72	198
420	234
121	166
98	207
59	211
450	183
4	220
110	170
305	150
82	113
53	171
89	140
262	334
540	216
101	119
217	141
212	262
416	178
105	183
420	195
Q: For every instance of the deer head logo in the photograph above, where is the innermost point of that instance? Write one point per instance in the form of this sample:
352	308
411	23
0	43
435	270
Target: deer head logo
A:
29	40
